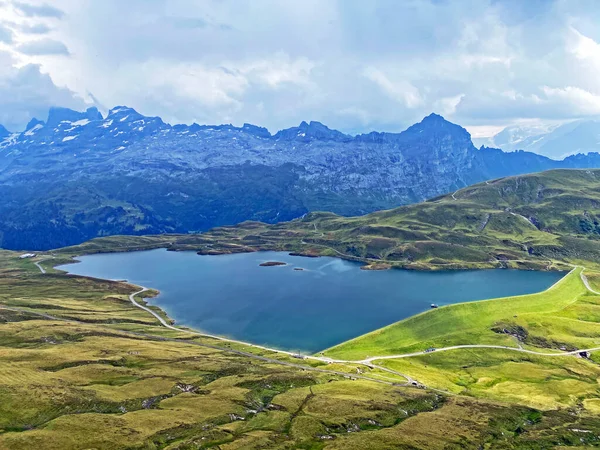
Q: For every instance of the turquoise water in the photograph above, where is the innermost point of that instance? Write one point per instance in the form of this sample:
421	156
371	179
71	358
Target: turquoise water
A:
329	302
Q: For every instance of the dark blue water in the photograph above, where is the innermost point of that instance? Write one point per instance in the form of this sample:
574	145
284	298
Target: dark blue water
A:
329	302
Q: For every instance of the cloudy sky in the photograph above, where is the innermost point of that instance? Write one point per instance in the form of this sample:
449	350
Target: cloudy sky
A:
353	65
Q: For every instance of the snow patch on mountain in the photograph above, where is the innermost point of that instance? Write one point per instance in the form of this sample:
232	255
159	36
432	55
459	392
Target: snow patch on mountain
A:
80	123
32	131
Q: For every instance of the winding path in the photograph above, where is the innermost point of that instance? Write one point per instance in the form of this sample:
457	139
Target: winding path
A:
524	218
39	266
587	284
37	263
458	347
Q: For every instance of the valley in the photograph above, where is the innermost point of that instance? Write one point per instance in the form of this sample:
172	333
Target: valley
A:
88	368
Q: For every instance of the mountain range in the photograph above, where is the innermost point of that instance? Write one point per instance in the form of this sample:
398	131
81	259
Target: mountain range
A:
80	175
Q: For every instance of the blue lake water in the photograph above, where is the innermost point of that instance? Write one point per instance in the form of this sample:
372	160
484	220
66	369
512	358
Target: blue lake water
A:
328	302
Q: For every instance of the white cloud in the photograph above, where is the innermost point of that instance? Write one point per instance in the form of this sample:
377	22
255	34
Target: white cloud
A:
483	131
400	90
353	65
448	105
576	99
278	70
41	47
37	9
35	28
6	35
26	92
586	52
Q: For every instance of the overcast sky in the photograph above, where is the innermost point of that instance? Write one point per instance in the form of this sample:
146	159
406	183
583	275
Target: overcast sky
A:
353	65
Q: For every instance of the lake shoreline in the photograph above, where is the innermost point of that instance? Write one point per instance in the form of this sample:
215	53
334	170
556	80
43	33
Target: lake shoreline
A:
380	264
219	242
369	323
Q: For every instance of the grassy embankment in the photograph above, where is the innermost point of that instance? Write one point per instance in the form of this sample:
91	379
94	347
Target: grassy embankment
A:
565	317
482	323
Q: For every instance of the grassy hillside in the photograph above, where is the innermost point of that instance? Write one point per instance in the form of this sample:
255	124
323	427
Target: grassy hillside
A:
566	317
530	221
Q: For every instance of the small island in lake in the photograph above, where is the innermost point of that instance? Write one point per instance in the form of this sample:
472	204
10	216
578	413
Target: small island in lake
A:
272	263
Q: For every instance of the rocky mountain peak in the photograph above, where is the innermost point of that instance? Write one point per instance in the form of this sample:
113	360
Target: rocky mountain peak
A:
92	113
256	131
33	123
433	117
184	178
432	128
313	130
123	113
4	132
56	115
435	126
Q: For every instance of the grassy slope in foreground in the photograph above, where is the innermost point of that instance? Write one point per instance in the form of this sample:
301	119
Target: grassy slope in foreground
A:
83	380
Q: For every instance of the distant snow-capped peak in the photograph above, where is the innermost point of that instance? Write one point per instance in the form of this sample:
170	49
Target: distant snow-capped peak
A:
555	141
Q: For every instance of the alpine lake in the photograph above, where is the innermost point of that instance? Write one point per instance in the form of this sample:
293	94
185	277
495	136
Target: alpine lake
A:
305	304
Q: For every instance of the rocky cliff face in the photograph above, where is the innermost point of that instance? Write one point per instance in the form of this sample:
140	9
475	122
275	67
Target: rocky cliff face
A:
80	175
